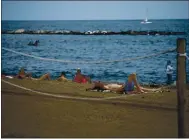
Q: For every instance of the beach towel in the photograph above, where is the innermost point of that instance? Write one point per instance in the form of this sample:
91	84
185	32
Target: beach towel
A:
7	76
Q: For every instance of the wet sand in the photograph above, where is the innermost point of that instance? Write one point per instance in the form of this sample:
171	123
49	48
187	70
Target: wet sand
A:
28	114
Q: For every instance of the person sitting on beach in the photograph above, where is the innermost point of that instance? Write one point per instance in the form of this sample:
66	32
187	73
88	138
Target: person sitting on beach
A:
80	78
62	77
128	87
23	75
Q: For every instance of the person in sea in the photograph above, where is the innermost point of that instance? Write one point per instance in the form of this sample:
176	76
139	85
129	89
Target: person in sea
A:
80	78
130	86
169	71
30	43
34	44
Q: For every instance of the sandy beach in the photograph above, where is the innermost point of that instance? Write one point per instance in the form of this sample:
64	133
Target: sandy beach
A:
65	109
55	53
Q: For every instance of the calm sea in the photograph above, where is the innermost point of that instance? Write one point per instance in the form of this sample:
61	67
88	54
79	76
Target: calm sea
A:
93	48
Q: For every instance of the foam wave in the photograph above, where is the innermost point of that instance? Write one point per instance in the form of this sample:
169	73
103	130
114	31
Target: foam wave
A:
97	32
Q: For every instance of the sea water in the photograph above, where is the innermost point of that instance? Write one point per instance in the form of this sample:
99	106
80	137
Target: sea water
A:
94	48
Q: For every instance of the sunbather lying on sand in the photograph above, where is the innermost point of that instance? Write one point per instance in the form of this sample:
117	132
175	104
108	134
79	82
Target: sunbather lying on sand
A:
23	75
128	87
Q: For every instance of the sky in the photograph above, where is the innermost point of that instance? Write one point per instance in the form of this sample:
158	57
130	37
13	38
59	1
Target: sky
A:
94	10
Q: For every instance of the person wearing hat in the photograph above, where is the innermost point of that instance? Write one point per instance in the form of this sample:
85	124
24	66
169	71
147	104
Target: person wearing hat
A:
80	78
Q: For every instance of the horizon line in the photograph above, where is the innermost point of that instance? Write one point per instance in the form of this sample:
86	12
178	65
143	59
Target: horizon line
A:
88	19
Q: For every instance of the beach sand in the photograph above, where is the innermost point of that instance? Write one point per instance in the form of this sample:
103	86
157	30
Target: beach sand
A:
31	114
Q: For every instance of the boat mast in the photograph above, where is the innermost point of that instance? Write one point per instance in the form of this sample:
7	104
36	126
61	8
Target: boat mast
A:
146	14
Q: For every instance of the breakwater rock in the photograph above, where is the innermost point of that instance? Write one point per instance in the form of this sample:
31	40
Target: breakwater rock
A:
97	32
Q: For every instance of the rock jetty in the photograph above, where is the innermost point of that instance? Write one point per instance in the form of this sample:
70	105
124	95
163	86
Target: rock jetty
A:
97	32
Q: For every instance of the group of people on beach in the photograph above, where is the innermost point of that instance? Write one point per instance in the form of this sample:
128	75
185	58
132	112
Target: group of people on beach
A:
130	86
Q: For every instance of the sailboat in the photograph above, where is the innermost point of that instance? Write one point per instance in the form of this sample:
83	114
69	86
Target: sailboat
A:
145	21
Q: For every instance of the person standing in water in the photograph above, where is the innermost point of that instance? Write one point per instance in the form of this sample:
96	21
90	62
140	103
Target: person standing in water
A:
169	71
